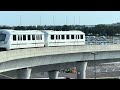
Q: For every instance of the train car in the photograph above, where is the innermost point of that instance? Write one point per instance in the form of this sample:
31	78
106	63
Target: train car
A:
13	39
63	38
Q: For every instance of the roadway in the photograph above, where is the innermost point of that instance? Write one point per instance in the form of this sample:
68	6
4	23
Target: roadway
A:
102	71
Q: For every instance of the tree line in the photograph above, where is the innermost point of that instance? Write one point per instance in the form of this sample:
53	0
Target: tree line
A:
100	30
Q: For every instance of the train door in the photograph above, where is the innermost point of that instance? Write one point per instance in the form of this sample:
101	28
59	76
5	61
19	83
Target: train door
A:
72	39
76	39
56	40
38	40
48	40
8	41
11	41
45	39
29	38
14	41
19	41
52	40
35	40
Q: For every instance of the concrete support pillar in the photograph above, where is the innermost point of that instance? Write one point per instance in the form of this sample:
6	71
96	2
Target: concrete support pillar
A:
81	70
23	73
53	74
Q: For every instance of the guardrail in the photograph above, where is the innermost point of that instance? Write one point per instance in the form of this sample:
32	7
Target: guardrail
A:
101	42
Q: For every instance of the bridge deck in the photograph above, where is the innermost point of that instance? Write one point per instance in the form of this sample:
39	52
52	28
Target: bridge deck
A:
32	52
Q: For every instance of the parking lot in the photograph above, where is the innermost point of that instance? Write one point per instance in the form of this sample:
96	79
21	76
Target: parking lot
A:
102	71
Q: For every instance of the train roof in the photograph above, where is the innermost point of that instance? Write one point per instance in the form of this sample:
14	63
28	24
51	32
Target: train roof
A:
63	32
21	31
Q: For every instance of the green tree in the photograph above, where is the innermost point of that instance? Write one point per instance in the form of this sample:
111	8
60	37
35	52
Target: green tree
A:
65	28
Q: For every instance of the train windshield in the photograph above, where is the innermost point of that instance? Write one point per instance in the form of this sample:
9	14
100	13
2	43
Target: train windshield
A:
2	37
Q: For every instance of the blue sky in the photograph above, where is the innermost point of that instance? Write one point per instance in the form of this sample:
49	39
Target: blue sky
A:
12	18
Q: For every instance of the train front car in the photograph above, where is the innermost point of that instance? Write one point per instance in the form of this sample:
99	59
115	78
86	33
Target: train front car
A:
4	39
26	39
17	39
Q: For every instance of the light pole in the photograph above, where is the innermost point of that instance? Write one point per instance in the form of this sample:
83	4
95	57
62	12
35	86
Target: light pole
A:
20	20
94	53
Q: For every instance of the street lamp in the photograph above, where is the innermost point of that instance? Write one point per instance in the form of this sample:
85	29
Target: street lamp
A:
94	53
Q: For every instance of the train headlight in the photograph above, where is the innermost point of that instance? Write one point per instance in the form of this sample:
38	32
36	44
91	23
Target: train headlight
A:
5	42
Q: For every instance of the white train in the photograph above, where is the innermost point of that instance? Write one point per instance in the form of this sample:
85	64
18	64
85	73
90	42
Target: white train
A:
13	39
63	38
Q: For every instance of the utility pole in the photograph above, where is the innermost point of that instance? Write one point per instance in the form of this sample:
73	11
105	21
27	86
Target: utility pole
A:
53	23
40	20
20	20
94	53
66	20
79	20
74	23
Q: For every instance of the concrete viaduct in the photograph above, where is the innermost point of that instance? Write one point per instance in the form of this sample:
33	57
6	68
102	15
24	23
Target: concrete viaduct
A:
22	62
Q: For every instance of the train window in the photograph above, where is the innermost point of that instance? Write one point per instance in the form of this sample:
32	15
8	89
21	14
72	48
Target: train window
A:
2	37
33	37
24	37
19	37
37	37
59	36
14	37
78	36
40	37
81	36
56	36
29	38
68	37
72	36
52	37
63	37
